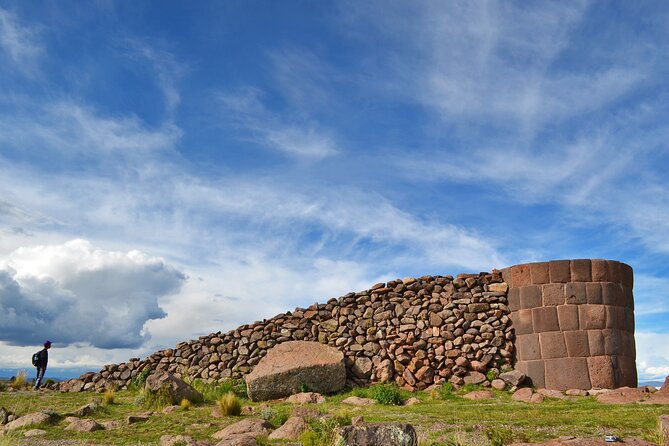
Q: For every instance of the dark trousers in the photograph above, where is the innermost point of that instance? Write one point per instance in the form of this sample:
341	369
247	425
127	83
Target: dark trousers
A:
39	377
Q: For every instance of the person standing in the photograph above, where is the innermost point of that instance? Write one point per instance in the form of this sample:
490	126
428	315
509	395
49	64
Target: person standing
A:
42	363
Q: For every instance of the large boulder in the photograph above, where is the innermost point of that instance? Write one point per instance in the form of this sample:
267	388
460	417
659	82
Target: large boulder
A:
396	434
243	432
175	388
32	419
289	367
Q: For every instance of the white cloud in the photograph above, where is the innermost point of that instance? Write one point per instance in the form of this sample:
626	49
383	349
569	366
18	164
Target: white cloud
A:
20	42
301	139
75	292
652	355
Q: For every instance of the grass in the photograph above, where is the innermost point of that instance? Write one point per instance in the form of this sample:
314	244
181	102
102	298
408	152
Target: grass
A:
442	419
230	405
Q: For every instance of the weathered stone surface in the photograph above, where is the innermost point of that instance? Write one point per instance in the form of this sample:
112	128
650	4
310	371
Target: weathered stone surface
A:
358	401
479	395
513	377
550	393
290	430
84	426
31	433
31	419
134	419
474	378
247	428
306	398
291	365
573	441
624	395
180	440
498	384
524	395
87	409
398	434
176	388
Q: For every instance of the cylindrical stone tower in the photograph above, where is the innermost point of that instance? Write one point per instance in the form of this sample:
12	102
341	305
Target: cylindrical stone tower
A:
574	323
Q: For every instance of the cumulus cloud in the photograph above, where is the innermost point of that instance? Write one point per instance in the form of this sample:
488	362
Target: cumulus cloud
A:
652	354
78	293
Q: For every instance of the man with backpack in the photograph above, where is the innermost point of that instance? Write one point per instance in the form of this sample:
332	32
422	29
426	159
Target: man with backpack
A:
40	360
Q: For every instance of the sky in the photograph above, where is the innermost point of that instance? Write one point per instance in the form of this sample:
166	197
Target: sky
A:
171	169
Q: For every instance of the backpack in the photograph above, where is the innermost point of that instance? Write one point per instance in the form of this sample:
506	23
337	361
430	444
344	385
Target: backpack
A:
37	359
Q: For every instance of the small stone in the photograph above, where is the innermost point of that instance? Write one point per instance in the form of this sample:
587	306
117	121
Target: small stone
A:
479	395
411	401
498	384
524	395
306	398
290	430
84	426
576	392
513	378
34	433
358	401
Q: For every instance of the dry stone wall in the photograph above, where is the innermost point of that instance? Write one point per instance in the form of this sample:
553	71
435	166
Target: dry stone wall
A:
565	324
574	323
415	332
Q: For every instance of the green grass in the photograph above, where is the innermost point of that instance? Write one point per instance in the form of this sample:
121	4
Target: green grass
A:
443	418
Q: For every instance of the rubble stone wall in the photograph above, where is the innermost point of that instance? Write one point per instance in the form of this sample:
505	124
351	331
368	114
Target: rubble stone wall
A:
565	324
574	323
415	332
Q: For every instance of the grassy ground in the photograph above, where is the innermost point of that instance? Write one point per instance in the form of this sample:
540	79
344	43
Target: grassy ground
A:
442	418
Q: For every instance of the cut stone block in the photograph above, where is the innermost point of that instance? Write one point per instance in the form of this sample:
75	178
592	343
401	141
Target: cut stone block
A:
612	294
528	347
593	292
539	273
545	319
552	345
601	372
626	374
530	296
522	322
613	342
514	299
600	270
535	371
596	342
592	316
615	317
581	270
577	344
575	293
627	297
520	275
560	271
568	317
553	294
567	373
627	275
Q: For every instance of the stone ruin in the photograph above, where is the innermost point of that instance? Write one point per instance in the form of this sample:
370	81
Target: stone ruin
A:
565	324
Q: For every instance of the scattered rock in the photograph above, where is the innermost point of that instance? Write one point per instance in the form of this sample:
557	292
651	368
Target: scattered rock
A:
550	393
179	440
357	421
358	401
88	409
84	426
176	388
34	433
624	395
399	434
537	398
524	395
479	395
30	419
248	428
513	378
576	392
572	441
132	419
170	409
498	384
4	416
290	430
110	425
289	366
474	378
306	398
411	401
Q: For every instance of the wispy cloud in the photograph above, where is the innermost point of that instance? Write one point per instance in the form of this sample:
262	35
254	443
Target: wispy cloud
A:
297	138
69	127
20	42
165	66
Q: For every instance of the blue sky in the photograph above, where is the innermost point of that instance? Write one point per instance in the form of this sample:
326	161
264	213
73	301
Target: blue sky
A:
170	169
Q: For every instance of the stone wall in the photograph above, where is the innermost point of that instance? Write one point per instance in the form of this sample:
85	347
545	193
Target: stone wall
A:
415	332
574	323
565	324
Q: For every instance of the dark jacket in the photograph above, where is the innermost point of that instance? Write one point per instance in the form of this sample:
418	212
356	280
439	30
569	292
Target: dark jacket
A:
43	358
